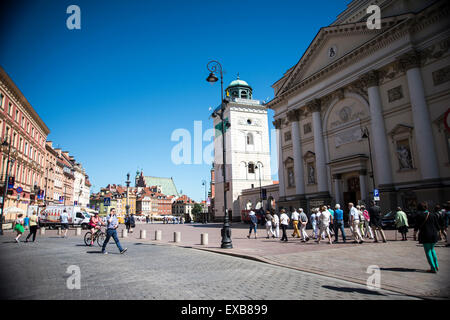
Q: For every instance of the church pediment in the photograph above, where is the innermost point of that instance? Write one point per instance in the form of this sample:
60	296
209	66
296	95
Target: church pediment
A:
330	45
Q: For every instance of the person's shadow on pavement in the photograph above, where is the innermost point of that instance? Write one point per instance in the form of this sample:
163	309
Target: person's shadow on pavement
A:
357	290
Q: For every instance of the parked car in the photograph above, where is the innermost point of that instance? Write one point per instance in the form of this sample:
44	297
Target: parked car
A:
388	220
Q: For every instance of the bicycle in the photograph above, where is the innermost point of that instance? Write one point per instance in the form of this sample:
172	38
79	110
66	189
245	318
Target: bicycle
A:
99	236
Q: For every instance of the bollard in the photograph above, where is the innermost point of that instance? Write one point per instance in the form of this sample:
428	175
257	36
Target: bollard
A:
42	230
143	234
158	235
78	232
204	239
124	233
59	231
177	237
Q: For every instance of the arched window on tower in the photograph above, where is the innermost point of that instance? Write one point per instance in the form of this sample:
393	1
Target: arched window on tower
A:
244	94
251	167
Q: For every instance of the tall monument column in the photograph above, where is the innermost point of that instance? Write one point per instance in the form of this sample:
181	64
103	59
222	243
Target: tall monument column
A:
277	125
422	124
294	117
319	146
379	139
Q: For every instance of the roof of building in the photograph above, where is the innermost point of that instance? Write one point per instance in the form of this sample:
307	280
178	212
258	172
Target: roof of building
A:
167	185
238	83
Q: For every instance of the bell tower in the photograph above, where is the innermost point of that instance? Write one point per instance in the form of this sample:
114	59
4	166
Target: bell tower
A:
247	148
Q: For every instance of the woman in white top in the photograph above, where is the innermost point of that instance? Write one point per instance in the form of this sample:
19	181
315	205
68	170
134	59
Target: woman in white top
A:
276	225
325	219
319	223
284	221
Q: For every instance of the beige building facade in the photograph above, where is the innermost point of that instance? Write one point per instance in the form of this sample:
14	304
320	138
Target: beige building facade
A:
366	109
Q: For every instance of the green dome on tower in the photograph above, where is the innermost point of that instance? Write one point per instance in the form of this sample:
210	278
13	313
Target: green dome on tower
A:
239	89
236	83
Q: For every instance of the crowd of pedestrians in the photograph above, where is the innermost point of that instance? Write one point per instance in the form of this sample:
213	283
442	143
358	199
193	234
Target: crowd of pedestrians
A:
365	223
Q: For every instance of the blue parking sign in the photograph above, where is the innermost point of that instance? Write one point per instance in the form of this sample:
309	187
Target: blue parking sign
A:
376	193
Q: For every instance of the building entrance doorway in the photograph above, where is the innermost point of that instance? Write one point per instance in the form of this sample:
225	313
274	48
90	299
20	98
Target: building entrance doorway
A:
353	194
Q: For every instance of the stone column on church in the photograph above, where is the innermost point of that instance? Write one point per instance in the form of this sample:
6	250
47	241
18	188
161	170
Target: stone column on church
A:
383	168
281	191
363	185
319	147
294	117
337	189
421	117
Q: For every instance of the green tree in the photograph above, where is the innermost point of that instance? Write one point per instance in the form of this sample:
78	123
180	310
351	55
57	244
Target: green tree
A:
197	208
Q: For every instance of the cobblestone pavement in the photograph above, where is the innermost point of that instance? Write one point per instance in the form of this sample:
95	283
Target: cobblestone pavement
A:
149	271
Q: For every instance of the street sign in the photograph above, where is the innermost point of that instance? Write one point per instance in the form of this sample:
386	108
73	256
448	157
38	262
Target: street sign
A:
107	201
376	195
19	190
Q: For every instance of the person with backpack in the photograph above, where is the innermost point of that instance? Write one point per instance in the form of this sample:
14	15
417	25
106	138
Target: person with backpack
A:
253	223
427	224
269	219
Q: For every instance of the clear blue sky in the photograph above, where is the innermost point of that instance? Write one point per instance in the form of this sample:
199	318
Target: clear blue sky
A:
113	92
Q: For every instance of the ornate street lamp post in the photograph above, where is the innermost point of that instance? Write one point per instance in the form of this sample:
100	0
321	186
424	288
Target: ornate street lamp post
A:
215	67
259	166
127	207
205	220
46	184
366	135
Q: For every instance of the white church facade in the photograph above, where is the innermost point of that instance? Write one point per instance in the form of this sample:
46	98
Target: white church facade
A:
368	109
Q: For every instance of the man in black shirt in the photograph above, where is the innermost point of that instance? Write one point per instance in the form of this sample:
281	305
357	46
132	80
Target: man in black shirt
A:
375	221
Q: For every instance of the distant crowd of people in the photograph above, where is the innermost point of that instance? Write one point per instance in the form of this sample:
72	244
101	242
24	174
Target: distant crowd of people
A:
365	223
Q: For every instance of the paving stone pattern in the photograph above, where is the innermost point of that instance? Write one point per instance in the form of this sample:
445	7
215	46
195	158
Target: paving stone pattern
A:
149	271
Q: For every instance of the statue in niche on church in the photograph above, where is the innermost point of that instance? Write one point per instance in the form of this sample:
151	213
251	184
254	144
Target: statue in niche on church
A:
404	157
311	174
291	179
